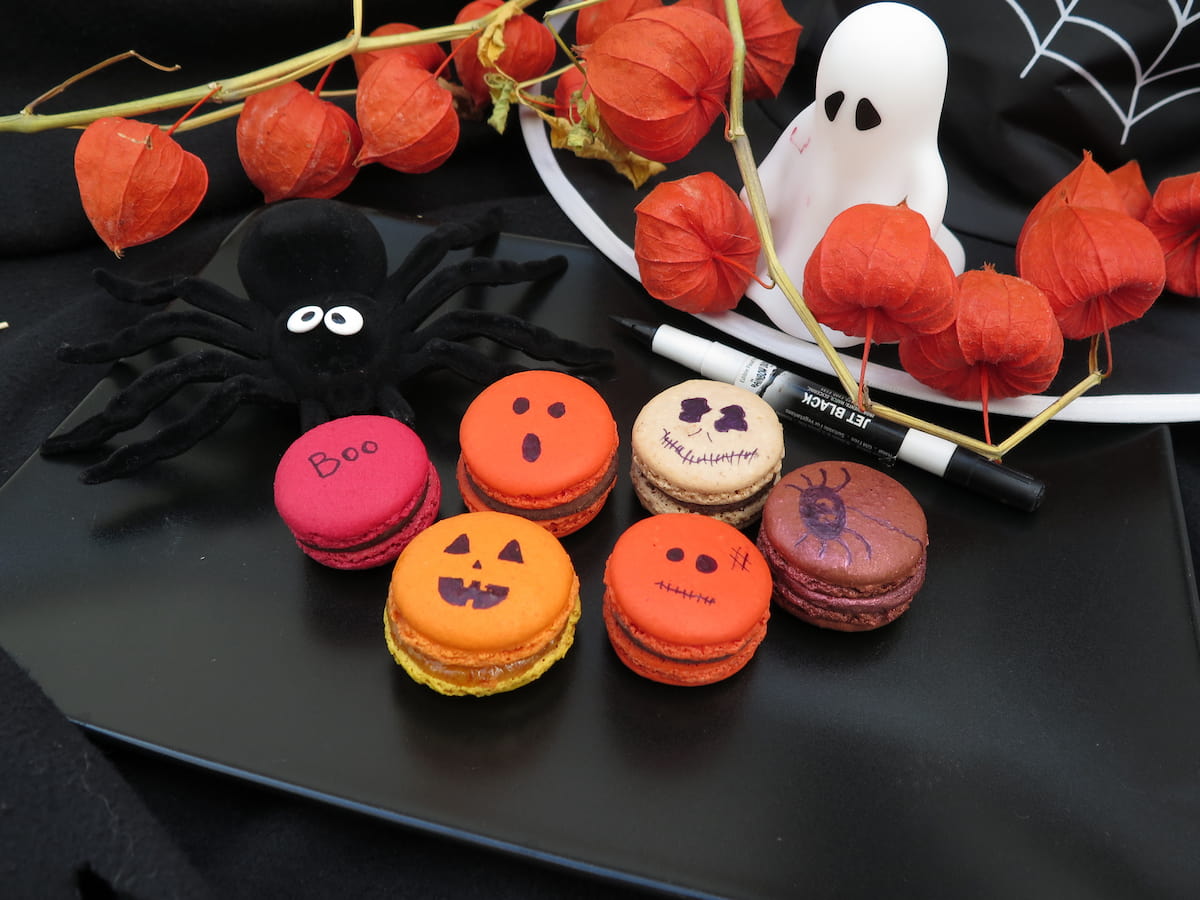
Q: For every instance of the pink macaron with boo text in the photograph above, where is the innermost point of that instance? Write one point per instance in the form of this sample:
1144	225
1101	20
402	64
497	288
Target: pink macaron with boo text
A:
354	491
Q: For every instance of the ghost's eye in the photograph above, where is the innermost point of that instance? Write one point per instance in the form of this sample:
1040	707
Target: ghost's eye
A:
866	116
305	319
693	409
344	320
833	103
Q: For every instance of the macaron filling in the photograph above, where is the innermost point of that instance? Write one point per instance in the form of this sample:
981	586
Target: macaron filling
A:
485	675
572	506
390	529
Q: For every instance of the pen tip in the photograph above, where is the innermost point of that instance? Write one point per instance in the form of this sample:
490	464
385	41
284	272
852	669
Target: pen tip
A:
643	330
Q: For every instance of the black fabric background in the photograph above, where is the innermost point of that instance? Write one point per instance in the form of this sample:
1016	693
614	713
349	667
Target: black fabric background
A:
84	818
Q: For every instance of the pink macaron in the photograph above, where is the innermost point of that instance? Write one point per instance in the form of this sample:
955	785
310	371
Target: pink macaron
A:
356	490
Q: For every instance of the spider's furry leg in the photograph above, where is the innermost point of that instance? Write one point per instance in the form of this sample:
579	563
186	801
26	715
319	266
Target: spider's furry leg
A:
446	282
431	249
461	359
185	433
150	389
393	403
511	331
162	326
200	293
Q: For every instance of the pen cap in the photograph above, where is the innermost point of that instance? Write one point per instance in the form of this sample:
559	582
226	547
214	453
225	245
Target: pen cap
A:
710	359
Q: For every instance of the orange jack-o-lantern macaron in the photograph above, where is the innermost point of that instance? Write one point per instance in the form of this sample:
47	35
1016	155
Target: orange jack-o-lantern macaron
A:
538	444
687	598
480	603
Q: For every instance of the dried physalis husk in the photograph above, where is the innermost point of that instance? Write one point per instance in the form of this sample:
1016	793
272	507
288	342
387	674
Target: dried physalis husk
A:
1132	189
695	244
1174	219
1098	267
428	56
521	48
1004	342
136	183
659	79
770	35
569	89
407	118
878	274
593	21
1085	185
294	144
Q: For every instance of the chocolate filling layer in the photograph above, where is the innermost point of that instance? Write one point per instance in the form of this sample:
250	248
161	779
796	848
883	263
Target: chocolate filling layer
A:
570	507
712	508
391	532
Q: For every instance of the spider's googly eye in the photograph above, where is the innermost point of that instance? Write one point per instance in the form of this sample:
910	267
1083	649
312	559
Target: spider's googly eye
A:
305	319
344	320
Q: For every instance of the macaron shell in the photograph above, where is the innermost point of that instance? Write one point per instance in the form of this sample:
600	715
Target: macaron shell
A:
671	664
737	508
537	437
483	583
486	677
845	524
706	441
386	548
560	515
688	581
352	483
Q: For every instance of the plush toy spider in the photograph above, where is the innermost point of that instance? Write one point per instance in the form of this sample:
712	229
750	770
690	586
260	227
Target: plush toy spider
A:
324	328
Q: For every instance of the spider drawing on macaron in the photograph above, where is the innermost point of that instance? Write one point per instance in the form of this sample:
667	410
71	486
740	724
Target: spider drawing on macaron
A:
323	327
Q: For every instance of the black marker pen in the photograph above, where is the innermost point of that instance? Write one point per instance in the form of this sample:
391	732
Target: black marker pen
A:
797	399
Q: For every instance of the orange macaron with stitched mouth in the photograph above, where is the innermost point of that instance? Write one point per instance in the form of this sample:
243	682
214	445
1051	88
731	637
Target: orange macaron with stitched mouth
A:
539	444
687	598
481	603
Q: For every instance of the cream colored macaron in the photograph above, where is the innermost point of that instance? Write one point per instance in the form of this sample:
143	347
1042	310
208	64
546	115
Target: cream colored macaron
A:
706	447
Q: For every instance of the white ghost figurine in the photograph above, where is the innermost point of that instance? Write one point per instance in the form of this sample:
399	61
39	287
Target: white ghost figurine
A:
870	136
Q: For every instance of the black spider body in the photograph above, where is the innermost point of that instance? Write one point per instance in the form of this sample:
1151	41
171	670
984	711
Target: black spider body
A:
323	327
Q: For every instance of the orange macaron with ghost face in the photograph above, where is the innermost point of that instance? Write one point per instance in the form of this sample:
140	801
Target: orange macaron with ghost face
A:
687	598
539	444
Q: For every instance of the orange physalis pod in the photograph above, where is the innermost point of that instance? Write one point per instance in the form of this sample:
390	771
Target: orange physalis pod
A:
770	35
1098	267
1004	342
1085	185
569	83
407	118
135	182
1132	189
660	79
529	50
1174	218
593	21
695	244
424	56
878	274
294	144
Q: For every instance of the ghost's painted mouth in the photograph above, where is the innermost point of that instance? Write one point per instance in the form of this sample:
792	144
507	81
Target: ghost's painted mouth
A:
457	592
692	458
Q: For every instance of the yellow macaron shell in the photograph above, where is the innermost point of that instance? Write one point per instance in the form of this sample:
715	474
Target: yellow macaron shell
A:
483	581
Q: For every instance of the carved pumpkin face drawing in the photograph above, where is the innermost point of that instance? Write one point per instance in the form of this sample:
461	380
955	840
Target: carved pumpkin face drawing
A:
689	578
483	580
537	432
